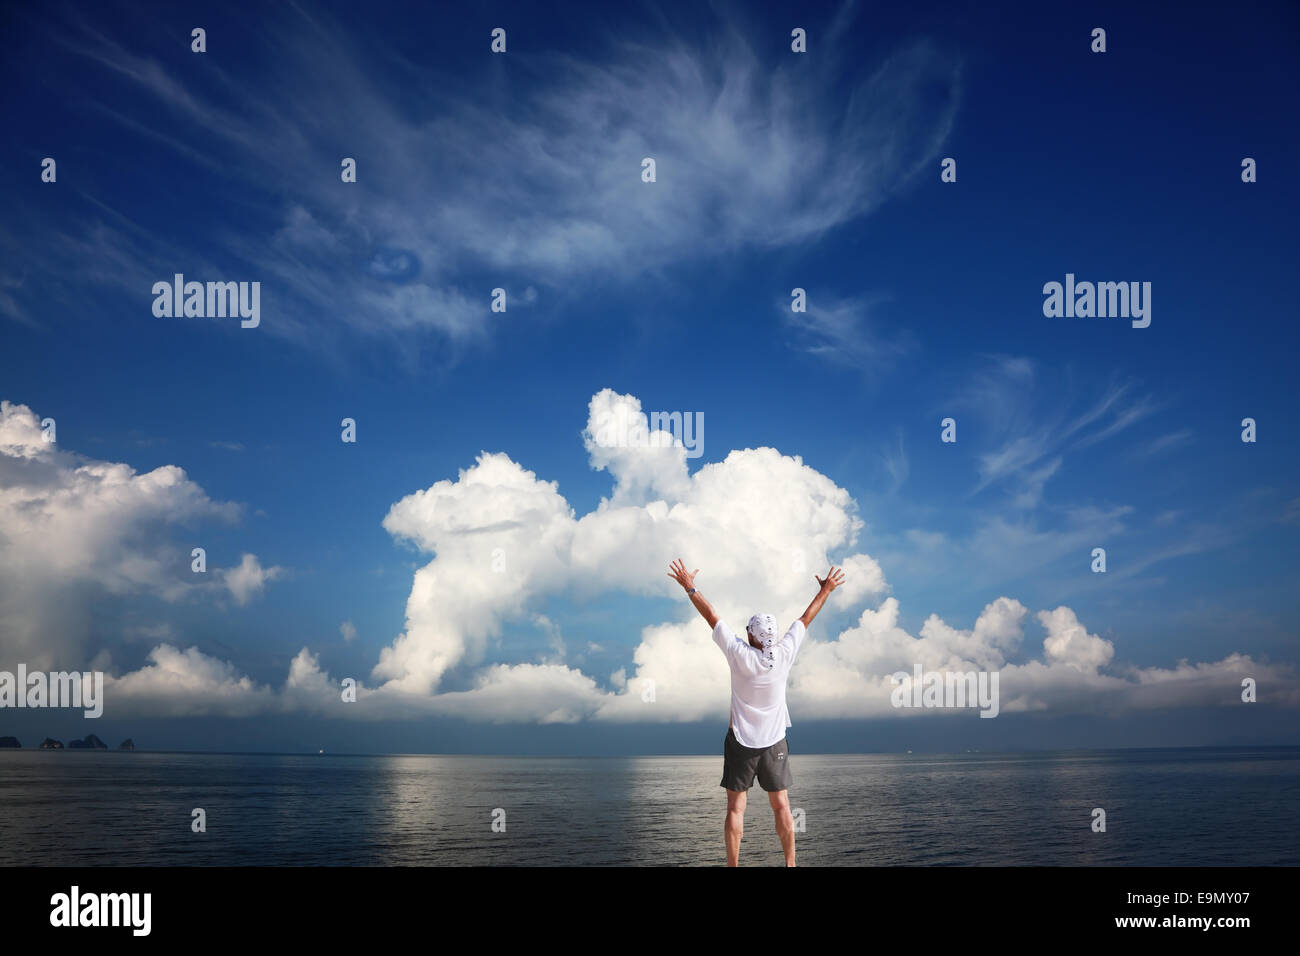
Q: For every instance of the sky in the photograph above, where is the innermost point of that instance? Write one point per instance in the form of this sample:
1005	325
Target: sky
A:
484	561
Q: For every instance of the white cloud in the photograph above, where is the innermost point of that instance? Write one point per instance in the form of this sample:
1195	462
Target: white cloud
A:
840	332
645	463
751	152
248	579
758	523
1029	431
500	535
188	682
524	693
1068	642
72	528
896	464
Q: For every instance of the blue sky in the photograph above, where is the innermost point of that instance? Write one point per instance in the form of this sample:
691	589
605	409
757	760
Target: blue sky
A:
522	171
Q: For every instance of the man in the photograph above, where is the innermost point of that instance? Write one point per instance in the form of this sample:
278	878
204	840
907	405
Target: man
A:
755	742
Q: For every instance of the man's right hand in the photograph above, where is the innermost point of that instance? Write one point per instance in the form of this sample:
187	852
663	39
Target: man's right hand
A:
834	578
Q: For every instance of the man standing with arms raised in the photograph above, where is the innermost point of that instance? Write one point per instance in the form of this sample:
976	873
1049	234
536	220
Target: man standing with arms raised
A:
755	744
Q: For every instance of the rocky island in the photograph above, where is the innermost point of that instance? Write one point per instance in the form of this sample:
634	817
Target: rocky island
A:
89	742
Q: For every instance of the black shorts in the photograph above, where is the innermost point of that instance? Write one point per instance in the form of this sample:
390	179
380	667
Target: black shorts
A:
741	764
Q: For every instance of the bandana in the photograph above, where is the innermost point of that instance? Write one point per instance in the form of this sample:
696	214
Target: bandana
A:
763	628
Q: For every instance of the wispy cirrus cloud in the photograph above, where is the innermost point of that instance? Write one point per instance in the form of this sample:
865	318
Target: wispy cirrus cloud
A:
1031	428
750	153
841	331
1164	443
897	466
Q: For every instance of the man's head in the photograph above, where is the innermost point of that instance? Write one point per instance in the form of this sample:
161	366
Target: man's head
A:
762	631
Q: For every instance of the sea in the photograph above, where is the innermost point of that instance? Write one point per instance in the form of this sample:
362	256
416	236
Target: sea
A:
1184	807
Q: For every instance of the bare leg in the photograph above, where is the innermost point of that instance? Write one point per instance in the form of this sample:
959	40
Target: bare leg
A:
780	801
735	827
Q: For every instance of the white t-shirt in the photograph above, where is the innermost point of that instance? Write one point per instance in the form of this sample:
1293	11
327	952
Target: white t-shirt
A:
758	713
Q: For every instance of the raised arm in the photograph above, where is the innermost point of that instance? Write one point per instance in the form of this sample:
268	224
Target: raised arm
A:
834	578
687	581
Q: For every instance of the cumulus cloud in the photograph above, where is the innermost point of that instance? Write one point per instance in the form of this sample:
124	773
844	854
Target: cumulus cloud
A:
502	537
646	461
501	540
189	682
177	682
73	528
1068	642
759	522
248	579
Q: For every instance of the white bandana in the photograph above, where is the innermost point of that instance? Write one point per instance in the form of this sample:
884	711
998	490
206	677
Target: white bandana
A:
763	628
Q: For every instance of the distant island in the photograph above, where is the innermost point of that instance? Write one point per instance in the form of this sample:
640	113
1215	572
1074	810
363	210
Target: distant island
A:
89	742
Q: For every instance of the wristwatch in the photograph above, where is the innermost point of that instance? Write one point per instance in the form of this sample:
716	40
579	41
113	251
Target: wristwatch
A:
691	591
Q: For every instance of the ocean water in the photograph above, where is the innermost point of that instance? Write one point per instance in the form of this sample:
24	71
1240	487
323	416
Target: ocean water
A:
1163	807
